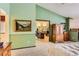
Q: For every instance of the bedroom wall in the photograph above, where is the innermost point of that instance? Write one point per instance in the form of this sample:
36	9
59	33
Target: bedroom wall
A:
22	11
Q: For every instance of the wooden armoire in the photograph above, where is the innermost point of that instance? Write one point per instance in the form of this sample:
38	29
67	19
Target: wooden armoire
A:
56	33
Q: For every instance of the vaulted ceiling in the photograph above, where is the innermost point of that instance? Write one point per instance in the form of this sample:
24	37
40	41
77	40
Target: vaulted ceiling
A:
64	9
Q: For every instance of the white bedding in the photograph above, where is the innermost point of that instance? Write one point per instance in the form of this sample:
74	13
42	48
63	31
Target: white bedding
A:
67	48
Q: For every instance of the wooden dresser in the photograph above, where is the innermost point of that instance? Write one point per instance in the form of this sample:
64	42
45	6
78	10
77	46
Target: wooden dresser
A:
56	33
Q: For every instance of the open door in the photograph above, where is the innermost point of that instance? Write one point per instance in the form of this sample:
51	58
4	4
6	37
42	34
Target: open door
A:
42	30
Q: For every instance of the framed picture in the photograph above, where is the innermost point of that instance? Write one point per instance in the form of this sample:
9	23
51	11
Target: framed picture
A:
22	25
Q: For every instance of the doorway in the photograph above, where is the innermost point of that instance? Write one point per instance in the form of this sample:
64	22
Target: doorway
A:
42	30
4	26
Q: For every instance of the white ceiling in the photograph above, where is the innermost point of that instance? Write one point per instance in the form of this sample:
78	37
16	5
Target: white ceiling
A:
64	9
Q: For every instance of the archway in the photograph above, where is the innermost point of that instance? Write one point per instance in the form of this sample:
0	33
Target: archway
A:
42	30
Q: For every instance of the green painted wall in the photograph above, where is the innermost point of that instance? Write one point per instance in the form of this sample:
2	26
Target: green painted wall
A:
5	7
42	13
22	11
22	40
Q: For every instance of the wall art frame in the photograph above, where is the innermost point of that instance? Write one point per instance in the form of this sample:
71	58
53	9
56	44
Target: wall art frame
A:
22	25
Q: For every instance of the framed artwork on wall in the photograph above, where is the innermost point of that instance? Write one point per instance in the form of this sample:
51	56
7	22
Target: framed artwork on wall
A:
22	25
